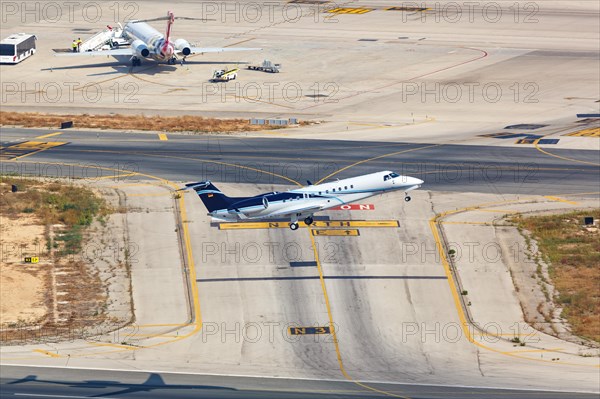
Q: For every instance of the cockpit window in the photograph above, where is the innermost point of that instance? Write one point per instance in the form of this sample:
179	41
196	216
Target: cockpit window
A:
393	174
386	177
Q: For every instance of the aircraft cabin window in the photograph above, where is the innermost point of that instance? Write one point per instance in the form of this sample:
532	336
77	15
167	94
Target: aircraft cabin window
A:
345	187
334	190
319	193
327	191
352	186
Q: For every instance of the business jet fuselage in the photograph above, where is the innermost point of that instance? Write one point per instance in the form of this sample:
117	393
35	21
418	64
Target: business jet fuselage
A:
301	203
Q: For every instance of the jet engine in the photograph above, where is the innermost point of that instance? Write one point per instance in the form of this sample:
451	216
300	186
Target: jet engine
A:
140	49
183	46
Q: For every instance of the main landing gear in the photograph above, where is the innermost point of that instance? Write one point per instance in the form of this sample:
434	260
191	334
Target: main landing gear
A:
294	223
136	62
407	198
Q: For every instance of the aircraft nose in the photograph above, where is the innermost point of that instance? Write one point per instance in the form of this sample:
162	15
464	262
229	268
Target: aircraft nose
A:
414	180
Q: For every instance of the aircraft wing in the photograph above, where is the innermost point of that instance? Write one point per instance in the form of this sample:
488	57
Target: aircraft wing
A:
297	209
199	50
113	52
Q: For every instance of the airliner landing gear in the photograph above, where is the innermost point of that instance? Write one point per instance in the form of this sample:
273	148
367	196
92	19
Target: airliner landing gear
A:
309	220
172	61
294	225
136	62
407	198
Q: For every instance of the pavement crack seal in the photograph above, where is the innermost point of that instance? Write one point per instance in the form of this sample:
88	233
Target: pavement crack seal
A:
332	326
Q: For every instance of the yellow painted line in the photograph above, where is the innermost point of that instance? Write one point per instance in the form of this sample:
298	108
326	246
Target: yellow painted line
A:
527	141
328	232
27	145
537	147
346	10
557	199
591	132
319	223
332	327
536	350
162	137
357	223
115	176
127	347
43	352
494	210
49	135
35	147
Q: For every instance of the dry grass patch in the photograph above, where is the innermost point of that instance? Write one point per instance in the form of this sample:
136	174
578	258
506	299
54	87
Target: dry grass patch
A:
573	255
185	123
47	219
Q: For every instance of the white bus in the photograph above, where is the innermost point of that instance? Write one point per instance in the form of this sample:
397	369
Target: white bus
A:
16	48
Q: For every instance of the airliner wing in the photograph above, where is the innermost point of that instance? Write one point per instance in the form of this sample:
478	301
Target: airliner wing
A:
199	50
113	52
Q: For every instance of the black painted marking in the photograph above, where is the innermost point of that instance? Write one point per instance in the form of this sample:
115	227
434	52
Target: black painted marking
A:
588	115
368	40
303	264
410	9
309	330
525	126
548	141
291	278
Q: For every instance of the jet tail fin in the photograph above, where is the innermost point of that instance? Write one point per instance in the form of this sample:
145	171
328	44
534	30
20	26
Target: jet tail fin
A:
210	195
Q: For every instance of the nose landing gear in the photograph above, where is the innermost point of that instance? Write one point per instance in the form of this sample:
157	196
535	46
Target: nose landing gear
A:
407	198
294	225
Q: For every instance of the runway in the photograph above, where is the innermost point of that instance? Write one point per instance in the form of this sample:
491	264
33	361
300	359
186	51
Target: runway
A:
41	382
273	160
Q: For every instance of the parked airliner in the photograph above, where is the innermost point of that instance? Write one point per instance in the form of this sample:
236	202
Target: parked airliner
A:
148	43
302	202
